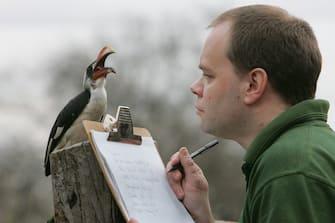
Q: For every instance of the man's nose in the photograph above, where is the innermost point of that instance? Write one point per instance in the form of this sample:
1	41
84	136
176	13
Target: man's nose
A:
196	88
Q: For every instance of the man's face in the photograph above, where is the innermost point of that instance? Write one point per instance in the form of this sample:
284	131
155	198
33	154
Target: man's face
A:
219	88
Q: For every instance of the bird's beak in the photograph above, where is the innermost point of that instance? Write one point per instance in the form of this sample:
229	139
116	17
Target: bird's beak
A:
100	70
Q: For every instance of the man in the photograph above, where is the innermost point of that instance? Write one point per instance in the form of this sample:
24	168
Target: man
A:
260	68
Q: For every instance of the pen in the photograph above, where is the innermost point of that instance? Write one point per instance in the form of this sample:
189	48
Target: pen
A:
195	154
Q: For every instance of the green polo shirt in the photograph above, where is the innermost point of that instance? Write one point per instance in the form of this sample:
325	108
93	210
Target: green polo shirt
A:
290	168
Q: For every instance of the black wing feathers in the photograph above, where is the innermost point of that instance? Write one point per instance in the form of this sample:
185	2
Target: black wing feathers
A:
65	119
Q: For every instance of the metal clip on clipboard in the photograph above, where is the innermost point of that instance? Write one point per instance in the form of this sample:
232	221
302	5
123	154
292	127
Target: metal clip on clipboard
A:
122	128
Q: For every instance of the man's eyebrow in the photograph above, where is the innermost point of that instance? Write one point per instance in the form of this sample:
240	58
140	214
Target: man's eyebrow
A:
203	67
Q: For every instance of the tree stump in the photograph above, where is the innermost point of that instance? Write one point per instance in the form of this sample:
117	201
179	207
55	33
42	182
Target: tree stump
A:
80	192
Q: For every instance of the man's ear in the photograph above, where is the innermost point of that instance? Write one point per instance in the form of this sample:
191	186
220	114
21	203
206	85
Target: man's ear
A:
256	82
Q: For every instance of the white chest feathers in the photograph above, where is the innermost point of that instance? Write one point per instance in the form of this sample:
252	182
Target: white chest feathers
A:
97	105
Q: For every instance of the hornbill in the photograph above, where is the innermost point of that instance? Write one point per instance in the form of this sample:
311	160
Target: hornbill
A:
90	104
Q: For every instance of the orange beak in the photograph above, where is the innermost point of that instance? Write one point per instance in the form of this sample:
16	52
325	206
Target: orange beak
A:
100	70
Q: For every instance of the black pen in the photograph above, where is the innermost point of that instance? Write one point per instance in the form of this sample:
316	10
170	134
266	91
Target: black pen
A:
195	154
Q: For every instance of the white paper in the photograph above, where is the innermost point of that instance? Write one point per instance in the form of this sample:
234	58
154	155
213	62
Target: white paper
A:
138	173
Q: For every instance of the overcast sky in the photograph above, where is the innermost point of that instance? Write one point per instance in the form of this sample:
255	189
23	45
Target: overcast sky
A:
33	29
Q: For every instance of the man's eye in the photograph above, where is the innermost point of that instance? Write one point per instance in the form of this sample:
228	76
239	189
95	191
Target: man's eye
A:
207	76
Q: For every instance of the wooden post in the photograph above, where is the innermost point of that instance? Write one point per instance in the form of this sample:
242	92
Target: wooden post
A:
80	192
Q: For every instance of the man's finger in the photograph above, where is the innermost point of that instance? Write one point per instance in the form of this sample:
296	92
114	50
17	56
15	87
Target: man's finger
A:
173	160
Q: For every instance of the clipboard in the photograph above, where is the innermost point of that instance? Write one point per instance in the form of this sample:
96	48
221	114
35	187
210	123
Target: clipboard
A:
97	126
135	172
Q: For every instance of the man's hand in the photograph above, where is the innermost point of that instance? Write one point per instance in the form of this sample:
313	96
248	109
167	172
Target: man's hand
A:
190	187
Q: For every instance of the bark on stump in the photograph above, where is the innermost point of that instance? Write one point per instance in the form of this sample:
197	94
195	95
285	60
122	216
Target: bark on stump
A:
80	192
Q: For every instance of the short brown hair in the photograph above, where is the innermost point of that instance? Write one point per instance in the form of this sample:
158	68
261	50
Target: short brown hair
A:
283	45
